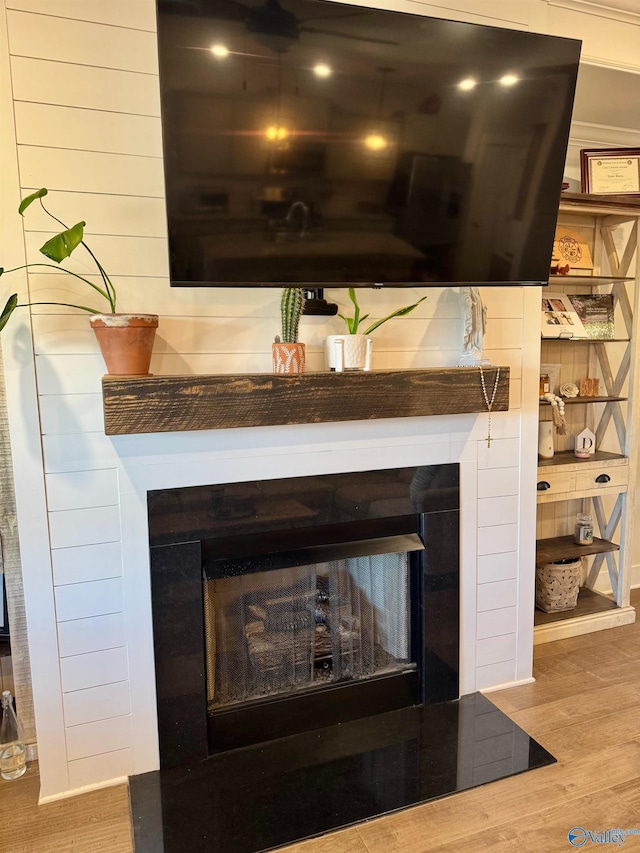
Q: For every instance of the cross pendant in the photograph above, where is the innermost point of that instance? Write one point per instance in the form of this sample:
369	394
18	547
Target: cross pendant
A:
488	441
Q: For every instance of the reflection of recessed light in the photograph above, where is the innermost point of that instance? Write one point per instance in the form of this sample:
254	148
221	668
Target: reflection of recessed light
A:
508	80
275	133
375	142
467	84
322	70
220	51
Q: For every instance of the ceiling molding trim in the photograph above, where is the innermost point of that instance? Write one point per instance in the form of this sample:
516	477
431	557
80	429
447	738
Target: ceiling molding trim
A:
585	135
610	10
598	62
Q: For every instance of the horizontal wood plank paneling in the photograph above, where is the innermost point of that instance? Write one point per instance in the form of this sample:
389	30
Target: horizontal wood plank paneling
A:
83	43
94	634
497	567
97	703
101	768
87	110
90	171
498	510
78	453
84	526
86	563
112	734
502	454
495	596
494	674
92	598
498	481
67	331
78	413
109	214
133	216
496	649
82	490
494	623
70	374
129	256
166	404
87	130
63	84
125	13
94	669
494	540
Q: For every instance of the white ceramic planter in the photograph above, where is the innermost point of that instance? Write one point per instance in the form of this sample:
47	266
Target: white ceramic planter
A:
545	439
348	352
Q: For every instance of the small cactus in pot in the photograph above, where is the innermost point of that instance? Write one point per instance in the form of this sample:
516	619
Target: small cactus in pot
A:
288	354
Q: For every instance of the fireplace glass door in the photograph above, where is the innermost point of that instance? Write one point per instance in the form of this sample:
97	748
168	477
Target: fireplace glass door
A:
287	630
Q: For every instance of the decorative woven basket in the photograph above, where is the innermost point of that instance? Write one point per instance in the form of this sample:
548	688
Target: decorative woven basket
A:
558	584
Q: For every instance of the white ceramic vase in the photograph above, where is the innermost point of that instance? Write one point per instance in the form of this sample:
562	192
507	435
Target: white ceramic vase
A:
545	439
348	352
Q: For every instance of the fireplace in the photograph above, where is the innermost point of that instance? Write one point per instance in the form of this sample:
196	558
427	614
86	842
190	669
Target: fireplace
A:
307	644
287	605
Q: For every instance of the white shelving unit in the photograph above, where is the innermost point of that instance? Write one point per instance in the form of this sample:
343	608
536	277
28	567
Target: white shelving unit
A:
603	485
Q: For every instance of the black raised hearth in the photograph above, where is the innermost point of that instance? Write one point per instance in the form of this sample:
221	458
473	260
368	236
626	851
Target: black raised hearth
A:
306	637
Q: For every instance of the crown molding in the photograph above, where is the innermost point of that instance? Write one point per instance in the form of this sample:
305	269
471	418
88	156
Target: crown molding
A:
615	10
586	134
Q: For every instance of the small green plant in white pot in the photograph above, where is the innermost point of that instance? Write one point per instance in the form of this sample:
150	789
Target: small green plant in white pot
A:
352	351
125	340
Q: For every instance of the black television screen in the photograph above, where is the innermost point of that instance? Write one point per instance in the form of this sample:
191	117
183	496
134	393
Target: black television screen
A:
314	142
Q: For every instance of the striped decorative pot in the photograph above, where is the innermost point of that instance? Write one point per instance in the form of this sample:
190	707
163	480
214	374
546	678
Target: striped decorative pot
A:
288	358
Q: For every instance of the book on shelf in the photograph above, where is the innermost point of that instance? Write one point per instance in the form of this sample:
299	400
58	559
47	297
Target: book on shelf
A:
559	317
595	310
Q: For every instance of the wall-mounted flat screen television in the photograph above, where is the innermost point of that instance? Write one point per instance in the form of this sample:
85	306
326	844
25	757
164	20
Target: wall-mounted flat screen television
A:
314	142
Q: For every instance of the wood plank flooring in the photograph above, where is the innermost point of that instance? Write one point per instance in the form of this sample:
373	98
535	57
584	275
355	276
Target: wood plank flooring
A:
584	708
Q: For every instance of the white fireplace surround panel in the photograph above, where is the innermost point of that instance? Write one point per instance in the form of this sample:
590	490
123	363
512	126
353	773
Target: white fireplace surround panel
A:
82	497
489	539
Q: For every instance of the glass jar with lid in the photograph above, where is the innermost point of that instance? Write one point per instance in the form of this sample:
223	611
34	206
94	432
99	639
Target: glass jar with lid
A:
583	533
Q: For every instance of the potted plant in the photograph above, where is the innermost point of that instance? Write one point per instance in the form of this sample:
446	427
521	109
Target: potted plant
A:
353	350
288	353
125	340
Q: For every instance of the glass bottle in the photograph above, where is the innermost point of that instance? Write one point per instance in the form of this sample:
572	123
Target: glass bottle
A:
13	757
583	534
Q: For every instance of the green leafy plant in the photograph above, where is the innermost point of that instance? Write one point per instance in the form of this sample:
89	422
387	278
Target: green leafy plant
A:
291	307
353	323
57	249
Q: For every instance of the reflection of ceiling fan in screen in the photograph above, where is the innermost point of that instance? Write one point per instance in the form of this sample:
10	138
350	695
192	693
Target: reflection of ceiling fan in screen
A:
273	26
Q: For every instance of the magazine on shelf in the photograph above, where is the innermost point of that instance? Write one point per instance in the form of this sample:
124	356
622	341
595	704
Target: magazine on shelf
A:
559	317
596	312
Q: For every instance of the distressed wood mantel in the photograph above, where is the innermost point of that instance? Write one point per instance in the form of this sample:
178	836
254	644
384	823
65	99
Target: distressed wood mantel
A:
177	403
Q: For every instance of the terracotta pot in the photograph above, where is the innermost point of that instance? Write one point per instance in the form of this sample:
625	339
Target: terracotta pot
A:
126	341
288	358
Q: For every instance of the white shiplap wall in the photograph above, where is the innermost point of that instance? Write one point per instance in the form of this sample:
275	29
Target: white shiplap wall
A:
83	78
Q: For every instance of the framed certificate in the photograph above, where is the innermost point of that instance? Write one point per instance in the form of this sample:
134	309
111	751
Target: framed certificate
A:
610	171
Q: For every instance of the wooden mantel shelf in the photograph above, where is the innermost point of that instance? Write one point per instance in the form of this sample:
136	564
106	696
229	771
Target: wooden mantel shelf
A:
177	403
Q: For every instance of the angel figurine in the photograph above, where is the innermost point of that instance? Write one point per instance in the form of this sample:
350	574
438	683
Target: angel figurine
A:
474	315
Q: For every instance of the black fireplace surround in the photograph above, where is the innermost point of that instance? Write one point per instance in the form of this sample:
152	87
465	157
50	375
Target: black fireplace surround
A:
338	747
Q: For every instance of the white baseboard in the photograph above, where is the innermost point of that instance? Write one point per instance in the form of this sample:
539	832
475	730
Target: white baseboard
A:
508	685
85	789
580	625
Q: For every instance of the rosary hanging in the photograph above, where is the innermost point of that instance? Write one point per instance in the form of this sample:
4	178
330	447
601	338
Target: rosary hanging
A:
489	401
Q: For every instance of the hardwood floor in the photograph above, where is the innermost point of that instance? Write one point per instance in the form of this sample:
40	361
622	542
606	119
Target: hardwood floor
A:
584	708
